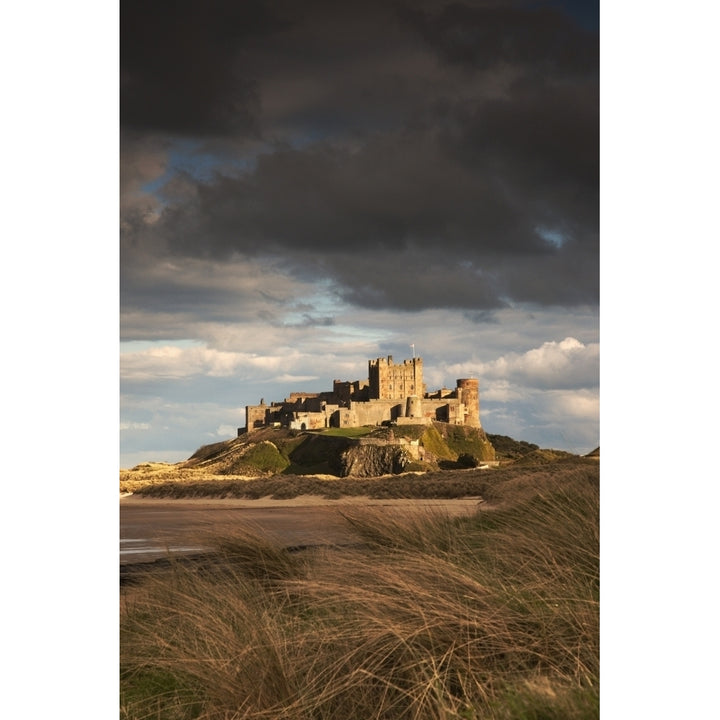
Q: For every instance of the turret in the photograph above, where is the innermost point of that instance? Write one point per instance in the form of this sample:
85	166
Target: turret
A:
413	407
469	395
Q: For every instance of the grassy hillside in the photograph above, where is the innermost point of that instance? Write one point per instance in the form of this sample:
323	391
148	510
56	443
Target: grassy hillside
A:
508	449
272	451
491	616
461	440
541	457
277	462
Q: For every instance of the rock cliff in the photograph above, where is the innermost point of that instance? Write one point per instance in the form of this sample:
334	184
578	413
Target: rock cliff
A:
373	460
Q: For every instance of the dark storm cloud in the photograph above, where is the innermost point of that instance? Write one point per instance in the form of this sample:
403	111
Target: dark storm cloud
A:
181	65
209	68
441	226
395	192
312	321
542	138
419	155
544	39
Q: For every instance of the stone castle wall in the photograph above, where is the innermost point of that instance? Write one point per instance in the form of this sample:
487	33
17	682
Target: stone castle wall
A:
392	393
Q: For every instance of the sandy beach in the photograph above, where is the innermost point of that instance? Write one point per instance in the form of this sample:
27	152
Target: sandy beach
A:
151	528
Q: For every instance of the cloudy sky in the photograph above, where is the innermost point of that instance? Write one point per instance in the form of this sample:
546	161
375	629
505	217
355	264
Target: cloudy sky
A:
306	186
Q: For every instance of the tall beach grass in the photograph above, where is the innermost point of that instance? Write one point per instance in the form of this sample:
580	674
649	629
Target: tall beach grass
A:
494	615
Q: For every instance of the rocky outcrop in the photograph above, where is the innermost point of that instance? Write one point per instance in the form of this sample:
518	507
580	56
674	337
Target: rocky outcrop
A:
365	460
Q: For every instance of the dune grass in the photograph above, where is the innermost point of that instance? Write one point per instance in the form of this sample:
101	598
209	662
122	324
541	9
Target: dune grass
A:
455	483
493	615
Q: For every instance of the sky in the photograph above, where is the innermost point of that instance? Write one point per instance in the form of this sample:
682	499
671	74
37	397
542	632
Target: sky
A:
308	186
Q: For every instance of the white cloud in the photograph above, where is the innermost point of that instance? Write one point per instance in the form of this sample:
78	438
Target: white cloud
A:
500	391
134	426
555	361
564	419
173	362
286	377
225	431
548	395
577	404
568	363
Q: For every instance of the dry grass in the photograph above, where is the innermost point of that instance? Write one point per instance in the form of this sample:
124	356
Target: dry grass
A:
158	475
491	616
174	482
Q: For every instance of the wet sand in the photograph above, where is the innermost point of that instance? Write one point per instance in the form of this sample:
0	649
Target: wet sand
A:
152	528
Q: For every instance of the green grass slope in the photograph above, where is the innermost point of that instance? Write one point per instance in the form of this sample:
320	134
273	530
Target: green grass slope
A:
277	450
506	448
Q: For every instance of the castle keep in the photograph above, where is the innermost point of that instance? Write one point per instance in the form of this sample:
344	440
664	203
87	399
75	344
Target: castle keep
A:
391	394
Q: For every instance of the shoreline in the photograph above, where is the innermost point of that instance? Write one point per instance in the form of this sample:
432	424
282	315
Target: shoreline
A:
308	501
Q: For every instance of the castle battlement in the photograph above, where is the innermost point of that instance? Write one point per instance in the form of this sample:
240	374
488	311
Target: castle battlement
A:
389	361
392	393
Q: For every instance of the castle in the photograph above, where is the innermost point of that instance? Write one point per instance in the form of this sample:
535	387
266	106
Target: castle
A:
391	394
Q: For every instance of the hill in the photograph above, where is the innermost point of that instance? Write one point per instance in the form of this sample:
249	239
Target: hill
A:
354	453
360	452
508	449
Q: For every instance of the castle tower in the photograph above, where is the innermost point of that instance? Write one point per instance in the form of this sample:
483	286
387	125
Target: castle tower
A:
389	381
413	407
469	395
